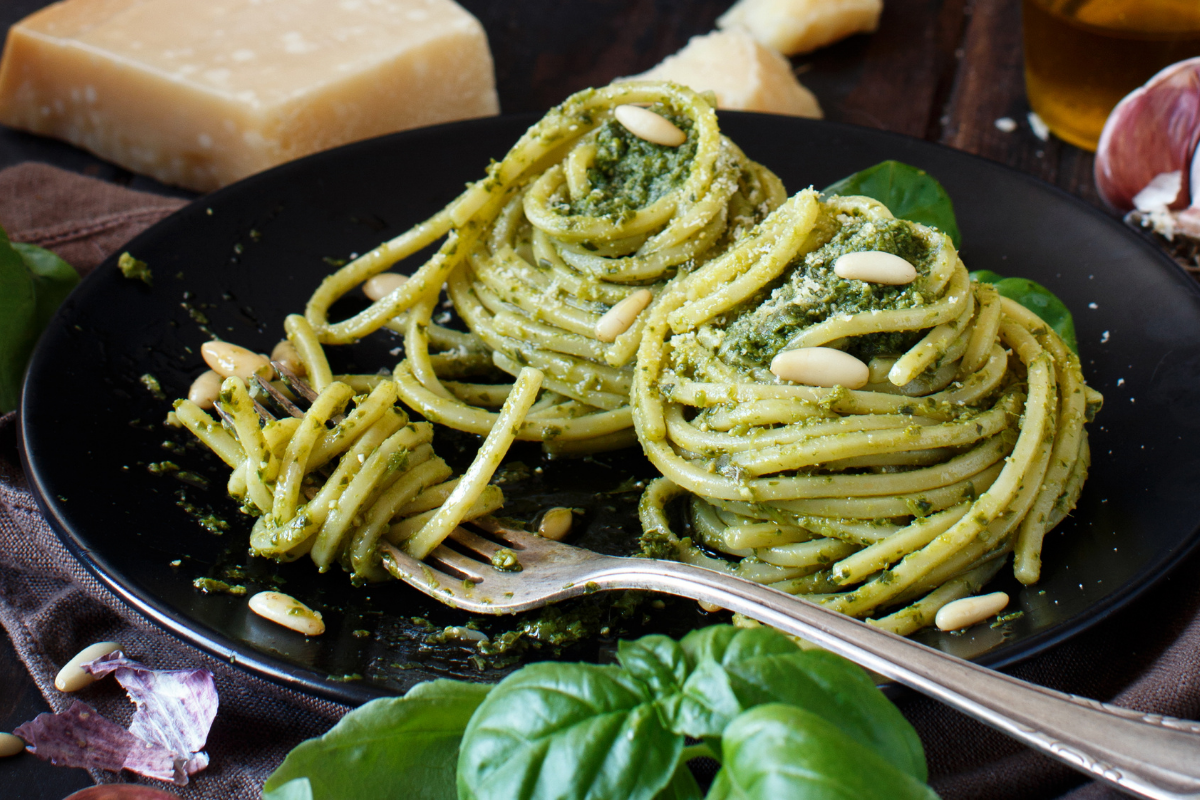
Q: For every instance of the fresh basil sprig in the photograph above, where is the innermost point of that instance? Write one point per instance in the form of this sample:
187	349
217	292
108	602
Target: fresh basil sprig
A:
1036	298
908	192
33	283
782	722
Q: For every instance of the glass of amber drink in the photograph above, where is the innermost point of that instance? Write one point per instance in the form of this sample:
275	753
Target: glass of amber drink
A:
1083	56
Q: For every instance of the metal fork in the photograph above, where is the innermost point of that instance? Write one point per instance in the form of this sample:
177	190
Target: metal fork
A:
1147	755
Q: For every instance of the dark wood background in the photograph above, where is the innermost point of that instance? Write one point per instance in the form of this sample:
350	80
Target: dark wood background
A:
941	70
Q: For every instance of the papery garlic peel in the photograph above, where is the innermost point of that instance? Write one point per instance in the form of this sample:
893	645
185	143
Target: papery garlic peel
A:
1154	130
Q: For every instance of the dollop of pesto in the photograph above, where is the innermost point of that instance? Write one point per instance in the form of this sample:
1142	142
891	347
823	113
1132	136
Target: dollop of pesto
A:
134	270
811	292
629	173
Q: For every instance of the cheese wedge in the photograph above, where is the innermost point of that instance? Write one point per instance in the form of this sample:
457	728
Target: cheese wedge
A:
742	73
201	93
801	26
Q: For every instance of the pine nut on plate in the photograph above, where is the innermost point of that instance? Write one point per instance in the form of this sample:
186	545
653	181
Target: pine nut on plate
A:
967	611
205	389
231	361
821	366
285	353
72	678
556	524
287	611
383	284
645	124
875	266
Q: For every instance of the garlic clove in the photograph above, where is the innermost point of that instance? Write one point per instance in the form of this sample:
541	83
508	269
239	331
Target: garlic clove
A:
1160	192
1153	131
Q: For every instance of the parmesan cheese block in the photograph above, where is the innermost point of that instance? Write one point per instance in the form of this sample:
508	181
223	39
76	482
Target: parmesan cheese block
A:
801	26
742	73
201	93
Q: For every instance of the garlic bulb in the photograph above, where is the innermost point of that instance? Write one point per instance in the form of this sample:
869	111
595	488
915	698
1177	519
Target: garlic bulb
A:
1147	156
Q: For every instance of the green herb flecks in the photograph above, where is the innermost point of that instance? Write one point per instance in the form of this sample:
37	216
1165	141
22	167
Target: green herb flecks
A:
214	586
134	270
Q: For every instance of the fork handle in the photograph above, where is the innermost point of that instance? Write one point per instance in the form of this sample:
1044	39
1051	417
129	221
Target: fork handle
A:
1146	755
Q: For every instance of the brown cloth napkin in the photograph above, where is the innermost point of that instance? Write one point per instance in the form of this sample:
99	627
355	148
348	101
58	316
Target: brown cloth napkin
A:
1146	656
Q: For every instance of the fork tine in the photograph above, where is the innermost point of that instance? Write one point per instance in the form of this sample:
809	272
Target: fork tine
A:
301	387
476	544
263	414
298	384
468	566
416	573
278	396
513	537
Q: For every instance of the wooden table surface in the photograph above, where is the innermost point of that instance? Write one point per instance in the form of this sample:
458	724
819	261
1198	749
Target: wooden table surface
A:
942	70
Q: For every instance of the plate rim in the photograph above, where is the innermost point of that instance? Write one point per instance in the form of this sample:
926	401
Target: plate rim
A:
309	681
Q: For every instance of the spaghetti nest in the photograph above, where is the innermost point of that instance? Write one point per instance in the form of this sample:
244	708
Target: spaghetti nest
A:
887	501
580	216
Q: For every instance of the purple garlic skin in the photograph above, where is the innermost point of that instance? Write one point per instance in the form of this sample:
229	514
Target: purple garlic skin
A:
1153	131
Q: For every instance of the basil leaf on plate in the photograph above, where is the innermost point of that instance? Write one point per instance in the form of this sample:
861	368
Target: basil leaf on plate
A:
568	731
683	786
775	751
409	741
1036	298
33	282
908	192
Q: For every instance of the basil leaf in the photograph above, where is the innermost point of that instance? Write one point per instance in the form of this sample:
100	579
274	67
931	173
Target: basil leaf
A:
777	750
568	731
657	661
683	786
53	280
1036	298
744	668
33	282
296	789
908	192
414	738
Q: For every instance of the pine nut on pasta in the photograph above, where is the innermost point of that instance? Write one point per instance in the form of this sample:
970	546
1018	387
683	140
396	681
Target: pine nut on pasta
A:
821	366
205	389
286	353
645	124
875	266
383	284
620	317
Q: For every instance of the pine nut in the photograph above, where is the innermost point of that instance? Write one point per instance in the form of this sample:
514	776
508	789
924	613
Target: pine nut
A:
10	745
231	361
621	316
645	124
965	612
466	635
875	266
821	366
711	608
556	524
287	611
72	678
383	284
205	389
285	353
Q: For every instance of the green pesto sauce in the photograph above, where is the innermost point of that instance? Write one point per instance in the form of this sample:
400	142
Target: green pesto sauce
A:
214	586
811	293
629	173
134	270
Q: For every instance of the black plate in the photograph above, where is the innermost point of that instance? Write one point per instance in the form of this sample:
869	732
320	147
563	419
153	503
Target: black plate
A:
244	257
